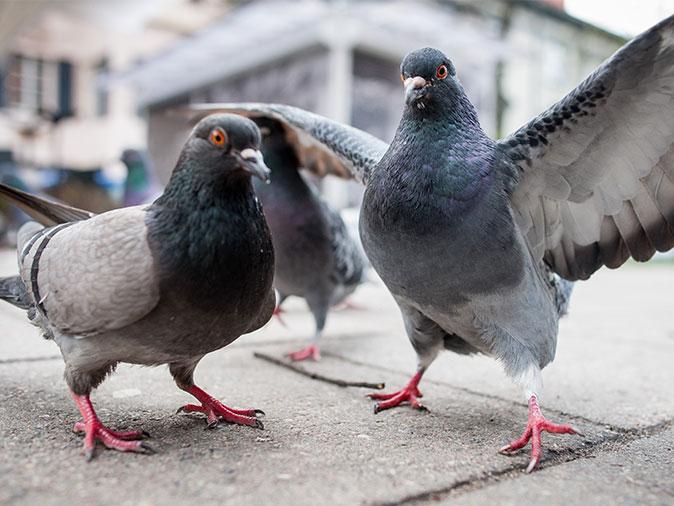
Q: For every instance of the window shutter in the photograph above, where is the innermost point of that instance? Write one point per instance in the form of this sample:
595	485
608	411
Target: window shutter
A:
65	89
3	83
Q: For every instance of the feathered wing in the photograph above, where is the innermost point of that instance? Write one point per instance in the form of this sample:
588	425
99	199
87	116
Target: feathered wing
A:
349	265
323	146
45	211
596	179
91	276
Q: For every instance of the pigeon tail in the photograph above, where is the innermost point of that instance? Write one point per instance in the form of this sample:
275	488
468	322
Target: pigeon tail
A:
564	287
46	212
13	290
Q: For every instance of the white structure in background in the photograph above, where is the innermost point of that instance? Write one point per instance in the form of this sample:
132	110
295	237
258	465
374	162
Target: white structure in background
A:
58	107
341	59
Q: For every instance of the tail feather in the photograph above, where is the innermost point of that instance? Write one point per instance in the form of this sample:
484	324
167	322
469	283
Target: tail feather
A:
44	211
563	295
13	290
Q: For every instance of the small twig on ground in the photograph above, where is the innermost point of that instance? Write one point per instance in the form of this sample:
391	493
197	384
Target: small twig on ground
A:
301	370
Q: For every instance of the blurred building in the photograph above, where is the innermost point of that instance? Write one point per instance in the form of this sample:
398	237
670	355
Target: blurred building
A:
341	59
83	79
59	106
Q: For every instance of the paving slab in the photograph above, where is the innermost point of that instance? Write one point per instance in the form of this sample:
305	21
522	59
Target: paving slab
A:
641	472
323	445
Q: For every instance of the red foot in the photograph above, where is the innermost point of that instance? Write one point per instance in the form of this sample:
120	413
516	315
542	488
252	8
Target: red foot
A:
216	411
537	423
94	430
410	393
312	351
277	313
350	305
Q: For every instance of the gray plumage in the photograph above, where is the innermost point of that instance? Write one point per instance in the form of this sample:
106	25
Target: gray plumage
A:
316	258
165	283
470	235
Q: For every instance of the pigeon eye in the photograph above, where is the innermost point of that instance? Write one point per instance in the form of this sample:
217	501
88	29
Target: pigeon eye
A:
217	137
441	72
402	78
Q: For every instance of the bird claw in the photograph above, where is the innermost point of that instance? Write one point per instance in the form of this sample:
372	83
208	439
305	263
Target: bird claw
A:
536	425
409	393
391	400
217	412
121	441
147	449
309	352
277	313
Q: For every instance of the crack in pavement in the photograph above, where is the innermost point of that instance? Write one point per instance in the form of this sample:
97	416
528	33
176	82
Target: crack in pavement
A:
482	480
30	359
266	342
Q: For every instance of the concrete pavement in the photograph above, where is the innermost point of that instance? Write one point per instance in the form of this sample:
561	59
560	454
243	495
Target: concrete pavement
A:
612	378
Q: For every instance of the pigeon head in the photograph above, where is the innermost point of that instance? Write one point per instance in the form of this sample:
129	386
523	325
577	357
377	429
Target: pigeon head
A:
427	74
226	143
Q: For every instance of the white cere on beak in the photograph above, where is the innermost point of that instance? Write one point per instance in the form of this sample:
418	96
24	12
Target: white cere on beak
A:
251	154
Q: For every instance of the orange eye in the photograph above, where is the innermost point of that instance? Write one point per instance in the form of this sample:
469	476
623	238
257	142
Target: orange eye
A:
217	137
441	72
402	78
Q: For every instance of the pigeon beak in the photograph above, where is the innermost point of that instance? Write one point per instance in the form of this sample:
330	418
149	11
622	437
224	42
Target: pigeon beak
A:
253	162
414	88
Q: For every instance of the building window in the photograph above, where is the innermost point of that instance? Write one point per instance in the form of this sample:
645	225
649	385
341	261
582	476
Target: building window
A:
65	89
102	74
41	87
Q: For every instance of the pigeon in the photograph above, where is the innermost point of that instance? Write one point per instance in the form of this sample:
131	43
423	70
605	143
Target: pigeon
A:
479	241
140	186
164	283
316	258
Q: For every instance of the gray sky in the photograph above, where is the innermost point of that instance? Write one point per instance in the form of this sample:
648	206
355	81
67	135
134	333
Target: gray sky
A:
626	17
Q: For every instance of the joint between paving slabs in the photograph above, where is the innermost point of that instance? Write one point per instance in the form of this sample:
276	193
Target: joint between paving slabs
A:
514	471
30	359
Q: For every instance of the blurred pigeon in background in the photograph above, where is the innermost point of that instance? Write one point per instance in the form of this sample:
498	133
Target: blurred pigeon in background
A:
478	240
316	258
97	190
140	186
165	283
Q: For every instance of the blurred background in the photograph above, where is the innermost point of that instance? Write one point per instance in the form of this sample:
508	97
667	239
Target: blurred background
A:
82	81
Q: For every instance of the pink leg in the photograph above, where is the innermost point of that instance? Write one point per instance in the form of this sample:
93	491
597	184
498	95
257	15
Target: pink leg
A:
94	430
409	393
312	351
348	304
216	411
278	311
536	424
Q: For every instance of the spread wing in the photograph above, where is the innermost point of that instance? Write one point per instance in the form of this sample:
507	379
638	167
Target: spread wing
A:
596	178
91	276
322	145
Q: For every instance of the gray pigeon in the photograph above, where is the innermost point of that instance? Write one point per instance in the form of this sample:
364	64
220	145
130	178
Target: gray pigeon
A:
479	240
165	283
316	258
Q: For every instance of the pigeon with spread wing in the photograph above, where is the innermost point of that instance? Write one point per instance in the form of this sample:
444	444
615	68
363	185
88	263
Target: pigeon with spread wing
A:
479	240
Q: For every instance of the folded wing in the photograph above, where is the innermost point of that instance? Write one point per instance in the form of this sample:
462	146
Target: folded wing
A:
91	276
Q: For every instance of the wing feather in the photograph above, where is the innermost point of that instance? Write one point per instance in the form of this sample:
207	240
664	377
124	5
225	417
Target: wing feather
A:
600	163
95	275
322	145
